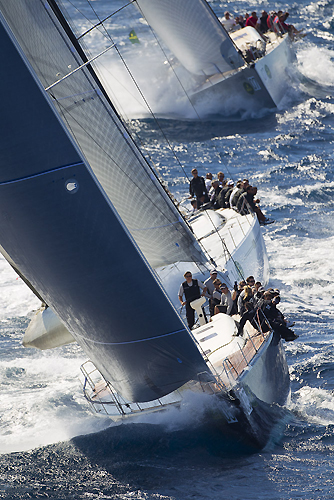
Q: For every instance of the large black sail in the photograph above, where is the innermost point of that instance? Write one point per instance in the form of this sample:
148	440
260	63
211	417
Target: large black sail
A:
63	233
140	200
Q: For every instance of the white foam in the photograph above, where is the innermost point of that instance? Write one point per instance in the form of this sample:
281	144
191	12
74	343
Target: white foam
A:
41	401
316	63
15	297
314	405
188	415
303	269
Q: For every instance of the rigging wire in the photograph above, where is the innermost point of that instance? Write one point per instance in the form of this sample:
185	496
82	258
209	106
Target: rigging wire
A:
101	23
103	20
139	89
149	108
78	68
108	36
225	246
172	149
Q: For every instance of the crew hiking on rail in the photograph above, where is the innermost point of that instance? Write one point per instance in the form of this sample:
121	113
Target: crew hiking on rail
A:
241	197
248	299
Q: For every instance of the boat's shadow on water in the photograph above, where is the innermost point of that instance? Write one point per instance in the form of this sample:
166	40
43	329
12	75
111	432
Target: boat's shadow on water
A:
150	456
143	441
123	458
194	444
202	130
146	456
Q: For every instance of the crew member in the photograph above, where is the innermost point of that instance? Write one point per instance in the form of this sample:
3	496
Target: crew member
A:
226	302
191	289
197	188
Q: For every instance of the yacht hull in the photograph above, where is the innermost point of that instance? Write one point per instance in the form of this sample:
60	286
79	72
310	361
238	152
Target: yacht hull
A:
259	86
249	414
249	256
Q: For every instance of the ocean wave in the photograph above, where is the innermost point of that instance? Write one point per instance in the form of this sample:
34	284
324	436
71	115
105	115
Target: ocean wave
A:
315	405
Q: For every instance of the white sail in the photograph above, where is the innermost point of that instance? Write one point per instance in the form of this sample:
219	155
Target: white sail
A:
193	33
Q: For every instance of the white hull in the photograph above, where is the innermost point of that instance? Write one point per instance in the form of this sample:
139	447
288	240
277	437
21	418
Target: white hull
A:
237	250
259	85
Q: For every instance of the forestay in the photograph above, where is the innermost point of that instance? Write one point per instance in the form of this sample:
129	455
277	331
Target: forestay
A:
66	238
140	200
193	33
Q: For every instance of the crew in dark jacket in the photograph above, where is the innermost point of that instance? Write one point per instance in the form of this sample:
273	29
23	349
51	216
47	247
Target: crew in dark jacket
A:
222	194
215	195
191	289
197	188
242	190
274	317
246	203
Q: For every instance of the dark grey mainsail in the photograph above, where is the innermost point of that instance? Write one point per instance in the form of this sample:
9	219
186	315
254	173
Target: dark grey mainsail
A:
142	203
60	227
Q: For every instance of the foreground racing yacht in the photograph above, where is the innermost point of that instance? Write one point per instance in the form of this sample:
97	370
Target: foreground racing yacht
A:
82	214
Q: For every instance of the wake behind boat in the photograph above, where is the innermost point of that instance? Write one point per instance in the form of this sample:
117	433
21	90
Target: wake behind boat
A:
82	215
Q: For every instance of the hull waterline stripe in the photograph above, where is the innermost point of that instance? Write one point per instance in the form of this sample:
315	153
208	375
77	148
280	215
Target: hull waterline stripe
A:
41	173
131	341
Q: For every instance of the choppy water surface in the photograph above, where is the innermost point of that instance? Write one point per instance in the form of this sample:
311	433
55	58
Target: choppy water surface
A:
54	447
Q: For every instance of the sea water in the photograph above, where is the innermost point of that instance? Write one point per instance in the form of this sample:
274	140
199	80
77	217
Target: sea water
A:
53	446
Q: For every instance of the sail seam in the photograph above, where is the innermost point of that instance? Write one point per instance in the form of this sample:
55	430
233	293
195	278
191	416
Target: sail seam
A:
92	91
40	173
155	227
131	341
